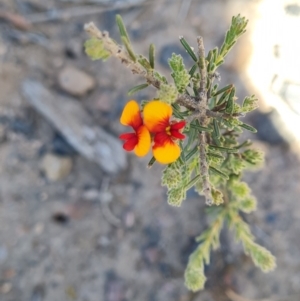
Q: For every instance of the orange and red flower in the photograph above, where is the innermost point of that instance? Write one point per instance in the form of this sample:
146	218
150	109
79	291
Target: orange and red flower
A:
157	117
140	140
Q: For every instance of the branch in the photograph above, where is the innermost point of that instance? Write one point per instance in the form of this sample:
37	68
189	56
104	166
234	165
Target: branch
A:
204	120
119	52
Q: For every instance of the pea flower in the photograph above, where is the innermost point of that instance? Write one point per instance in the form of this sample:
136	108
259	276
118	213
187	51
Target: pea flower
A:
140	140
157	116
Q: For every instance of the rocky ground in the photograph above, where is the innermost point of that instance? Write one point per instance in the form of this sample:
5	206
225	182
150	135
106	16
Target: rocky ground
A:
71	231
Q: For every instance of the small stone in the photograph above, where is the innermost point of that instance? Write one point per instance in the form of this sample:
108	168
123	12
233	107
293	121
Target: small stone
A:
9	273
6	288
55	167
75	81
91	195
103	241
129	219
104	102
39	228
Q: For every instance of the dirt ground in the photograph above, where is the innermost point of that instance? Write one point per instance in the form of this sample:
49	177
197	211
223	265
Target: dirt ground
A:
89	236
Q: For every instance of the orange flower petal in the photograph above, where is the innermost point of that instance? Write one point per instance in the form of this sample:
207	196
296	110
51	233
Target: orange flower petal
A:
167	153
131	115
144	141
157	115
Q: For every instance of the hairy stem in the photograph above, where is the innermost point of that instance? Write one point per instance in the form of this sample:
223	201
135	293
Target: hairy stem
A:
204	120
119	52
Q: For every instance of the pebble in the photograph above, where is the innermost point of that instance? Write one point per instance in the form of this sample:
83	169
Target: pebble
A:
104	102
129	219
9	273
91	195
75	82
55	167
6	288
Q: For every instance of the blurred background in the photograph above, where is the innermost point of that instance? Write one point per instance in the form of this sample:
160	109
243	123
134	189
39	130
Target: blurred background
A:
76	227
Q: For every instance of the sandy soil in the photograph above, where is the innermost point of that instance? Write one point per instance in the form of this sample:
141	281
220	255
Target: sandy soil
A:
91	236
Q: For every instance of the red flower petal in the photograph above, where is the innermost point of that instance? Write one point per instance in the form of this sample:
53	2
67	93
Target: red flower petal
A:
178	125
127	136
161	138
130	144
177	134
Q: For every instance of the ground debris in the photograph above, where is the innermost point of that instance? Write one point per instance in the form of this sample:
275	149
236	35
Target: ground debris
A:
56	167
74	123
75	82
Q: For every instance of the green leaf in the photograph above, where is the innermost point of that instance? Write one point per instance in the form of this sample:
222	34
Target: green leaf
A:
192	136
217	197
200	128
188	48
224	97
192	70
250	103
216	128
137	88
122	28
94	48
129	48
180	74
209	55
217	155
193	182
176	196
160	77
171	177
235	163
144	62
223	149
248	204
191	153
261	257
240	189
226	88
230	103
215	54
211	67
167	93
248	127
218	172
151	55
253	157
151	162
246	143
195	278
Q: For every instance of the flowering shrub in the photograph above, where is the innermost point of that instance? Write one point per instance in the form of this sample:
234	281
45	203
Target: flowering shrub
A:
193	127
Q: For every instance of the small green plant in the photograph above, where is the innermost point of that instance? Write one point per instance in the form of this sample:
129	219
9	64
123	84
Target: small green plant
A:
194	127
